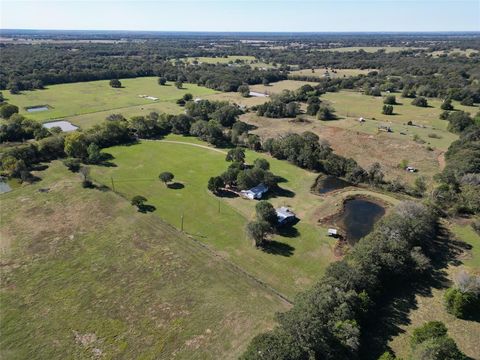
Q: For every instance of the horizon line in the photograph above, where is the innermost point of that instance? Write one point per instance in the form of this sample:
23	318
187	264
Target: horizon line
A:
259	31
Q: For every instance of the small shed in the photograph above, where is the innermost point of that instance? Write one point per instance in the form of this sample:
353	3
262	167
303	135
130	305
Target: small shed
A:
361	120
332	232
255	192
411	169
285	215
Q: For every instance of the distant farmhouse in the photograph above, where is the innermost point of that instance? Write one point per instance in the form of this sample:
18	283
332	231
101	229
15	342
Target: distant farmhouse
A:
255	192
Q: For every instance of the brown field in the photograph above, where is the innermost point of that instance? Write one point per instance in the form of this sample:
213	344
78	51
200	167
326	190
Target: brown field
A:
364	148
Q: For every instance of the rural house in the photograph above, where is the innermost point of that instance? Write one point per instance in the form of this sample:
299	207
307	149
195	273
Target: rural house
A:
255	192
285	215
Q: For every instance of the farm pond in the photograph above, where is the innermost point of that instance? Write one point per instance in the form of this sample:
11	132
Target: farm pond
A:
37	108
358	217
326	184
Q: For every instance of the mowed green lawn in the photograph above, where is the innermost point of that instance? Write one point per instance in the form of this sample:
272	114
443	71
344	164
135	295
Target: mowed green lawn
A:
84	275
298	259
351	105
67	100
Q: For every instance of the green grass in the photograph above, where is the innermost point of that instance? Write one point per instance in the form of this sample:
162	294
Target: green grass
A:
224	229
83	264
352	105
279	86
68	100
86	121
466	234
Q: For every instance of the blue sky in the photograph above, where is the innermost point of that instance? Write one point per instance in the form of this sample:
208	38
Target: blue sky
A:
243	15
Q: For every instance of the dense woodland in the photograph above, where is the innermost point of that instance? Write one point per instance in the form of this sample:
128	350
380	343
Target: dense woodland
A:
25	67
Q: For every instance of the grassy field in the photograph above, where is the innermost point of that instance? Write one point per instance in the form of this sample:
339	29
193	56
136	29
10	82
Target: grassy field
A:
431	306
86	121
350	105
236	98
296	260
362	146
68	100
465	233
279	86
84	275
370	49
339	72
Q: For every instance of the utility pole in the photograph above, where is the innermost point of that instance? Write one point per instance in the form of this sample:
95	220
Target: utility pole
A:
182	223
219	206
113	185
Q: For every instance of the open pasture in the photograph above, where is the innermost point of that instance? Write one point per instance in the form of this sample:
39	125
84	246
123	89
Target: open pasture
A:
97	279
296	259
350	106
279	86
236	98
365	148
68	100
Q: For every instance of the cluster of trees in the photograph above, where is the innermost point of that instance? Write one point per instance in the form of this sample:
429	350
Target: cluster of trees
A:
463	299
242	176
459	188
19	128
82	146
431	342
326	321
286	104
265	223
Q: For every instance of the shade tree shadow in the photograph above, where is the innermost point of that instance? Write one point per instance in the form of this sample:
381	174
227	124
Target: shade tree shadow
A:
277	248
175	186
288	231
393	310
145	208
279	192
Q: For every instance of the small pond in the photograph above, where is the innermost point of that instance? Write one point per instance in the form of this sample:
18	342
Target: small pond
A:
325	184
358	218
62	124
37	108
